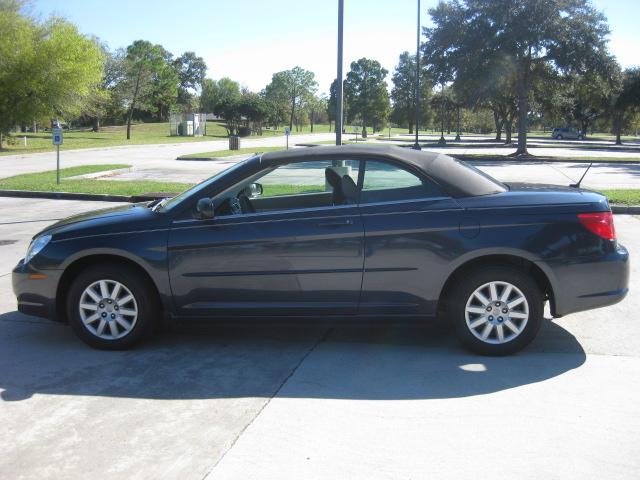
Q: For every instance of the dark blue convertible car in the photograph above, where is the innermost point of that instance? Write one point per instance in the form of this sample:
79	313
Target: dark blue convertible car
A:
332	231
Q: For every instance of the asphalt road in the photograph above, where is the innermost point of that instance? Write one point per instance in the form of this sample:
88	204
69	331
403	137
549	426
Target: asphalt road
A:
310	400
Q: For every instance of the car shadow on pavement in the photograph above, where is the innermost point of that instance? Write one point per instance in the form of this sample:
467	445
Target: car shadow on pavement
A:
297	359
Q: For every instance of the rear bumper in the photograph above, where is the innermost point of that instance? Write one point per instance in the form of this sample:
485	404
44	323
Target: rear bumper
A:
585	284
36	295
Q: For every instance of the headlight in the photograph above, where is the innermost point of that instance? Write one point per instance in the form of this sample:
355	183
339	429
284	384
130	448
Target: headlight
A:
36	247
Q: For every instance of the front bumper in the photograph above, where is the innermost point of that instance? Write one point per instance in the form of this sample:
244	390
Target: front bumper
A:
585	284
35	290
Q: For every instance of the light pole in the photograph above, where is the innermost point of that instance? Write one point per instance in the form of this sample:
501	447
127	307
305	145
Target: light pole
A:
442	140
416	146
339	106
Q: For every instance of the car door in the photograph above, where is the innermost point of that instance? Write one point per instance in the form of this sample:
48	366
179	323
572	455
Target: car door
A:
296	254
411	235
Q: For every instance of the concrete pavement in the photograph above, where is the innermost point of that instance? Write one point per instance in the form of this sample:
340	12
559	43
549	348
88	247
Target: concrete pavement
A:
601	175
307	400
139	156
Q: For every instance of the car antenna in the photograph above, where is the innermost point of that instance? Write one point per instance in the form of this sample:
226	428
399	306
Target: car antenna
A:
577	185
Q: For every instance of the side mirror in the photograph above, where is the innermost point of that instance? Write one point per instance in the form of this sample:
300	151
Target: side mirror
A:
205	208
254	190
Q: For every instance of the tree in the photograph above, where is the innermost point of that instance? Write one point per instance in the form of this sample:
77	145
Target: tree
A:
278	103
142	62
403	92
295	85
625	102
254	108
163	95
191	71
569	35
332	103
46	70
216	93
588	93
367	95
317	107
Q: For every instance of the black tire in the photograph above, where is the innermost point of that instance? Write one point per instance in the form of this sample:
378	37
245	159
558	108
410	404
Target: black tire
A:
559	137
467	285
580	137
139	287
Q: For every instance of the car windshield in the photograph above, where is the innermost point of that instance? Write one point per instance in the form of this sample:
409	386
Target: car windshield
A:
170	203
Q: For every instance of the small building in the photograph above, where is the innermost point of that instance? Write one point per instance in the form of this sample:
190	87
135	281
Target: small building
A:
187	125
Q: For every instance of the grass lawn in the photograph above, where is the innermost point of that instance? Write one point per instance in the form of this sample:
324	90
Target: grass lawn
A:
46	182
229	153
623	197
141	134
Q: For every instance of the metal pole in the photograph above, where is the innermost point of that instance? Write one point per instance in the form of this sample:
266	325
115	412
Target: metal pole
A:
416	146
58	164
339	107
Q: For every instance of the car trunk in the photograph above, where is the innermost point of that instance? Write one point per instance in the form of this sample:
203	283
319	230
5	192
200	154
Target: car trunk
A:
529	198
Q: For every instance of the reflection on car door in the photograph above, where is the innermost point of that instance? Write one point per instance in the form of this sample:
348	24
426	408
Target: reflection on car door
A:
411	235
269	263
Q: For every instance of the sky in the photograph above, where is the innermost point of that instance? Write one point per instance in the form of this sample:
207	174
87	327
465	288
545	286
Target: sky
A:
249	40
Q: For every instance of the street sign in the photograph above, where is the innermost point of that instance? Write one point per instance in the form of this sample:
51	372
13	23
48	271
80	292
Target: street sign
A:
56	139
287	131
56	136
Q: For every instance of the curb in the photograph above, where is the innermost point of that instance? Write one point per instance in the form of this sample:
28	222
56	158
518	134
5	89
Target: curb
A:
102	173
625	209
94	197
198	159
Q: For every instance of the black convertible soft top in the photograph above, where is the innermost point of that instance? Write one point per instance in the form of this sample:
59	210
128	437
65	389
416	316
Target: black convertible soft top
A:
457	178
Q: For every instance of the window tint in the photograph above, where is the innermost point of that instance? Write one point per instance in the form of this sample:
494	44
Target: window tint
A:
384	182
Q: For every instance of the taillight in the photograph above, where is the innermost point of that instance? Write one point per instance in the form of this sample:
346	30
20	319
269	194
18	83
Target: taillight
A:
600	223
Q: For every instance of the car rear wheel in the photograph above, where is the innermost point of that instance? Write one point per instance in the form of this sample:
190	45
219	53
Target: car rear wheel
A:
497	310
110	307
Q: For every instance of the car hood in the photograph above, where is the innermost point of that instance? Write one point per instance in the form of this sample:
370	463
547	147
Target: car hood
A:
114	220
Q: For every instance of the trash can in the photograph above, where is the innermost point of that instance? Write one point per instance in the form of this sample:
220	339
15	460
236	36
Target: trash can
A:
234	142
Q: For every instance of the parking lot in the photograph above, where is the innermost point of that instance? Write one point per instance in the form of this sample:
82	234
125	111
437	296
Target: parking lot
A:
314	400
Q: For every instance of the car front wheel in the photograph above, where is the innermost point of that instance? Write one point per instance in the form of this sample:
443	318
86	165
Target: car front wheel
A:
497	310
110	307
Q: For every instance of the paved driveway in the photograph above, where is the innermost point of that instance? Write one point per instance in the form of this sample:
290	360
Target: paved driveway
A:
308	400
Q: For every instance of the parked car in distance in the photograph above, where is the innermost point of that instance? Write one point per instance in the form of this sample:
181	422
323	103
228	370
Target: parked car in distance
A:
567	134
334	232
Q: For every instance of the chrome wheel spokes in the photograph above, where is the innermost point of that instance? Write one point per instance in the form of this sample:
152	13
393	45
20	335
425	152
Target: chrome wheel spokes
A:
497	312
108	309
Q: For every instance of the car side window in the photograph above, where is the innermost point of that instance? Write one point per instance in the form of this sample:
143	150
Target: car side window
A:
293	186
385	182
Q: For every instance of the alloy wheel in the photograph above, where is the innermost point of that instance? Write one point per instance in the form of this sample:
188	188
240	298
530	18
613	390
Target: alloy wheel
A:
108	309
497	312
